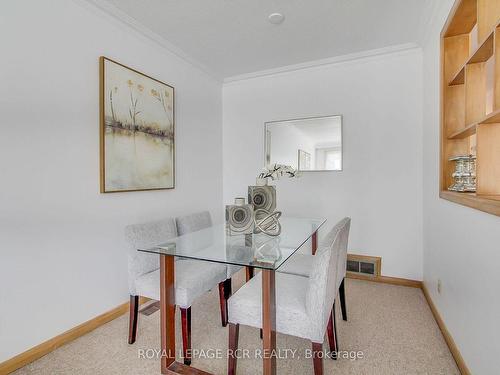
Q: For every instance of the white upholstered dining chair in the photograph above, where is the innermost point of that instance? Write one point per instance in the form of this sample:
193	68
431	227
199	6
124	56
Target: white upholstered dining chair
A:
300	264
198	221
303	304
192	278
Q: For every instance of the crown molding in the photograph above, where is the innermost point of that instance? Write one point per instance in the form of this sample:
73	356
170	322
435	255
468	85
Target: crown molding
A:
108	9
328	61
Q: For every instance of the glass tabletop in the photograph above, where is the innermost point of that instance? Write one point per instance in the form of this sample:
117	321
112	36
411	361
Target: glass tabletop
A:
257	250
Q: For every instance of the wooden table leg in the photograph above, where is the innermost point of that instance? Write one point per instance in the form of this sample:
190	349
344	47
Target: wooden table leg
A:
314	242
167	311
269	322
249	273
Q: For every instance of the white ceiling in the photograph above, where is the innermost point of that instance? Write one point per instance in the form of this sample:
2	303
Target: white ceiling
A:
322	132
234	37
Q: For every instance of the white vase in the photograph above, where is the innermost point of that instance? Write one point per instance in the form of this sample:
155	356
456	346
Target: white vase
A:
239	201
261	181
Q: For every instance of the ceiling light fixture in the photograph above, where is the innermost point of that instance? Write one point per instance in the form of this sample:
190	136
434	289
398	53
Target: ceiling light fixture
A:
276	18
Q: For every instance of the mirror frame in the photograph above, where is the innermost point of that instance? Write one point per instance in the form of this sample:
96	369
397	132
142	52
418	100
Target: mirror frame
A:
307	118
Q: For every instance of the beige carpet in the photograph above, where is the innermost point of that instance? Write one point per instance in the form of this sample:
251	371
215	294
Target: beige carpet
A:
392	325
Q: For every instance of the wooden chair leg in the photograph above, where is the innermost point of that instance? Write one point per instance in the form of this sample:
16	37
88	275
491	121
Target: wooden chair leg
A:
317	349
335	327
132	323
186	334
234	332
249	272
342	300
223	302
332	334
228	288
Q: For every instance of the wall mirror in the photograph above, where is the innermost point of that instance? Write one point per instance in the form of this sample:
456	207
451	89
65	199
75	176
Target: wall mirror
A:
309	144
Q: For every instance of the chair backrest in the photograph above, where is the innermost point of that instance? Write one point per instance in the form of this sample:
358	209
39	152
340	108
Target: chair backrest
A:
328	240
342	262
193	222
322	288
144	235
344	240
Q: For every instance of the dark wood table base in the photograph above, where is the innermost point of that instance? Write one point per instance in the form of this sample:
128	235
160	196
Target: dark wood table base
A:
167	315
167	320
181	368
268	322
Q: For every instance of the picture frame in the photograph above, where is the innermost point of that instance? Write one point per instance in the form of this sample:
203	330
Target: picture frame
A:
137	130
304	160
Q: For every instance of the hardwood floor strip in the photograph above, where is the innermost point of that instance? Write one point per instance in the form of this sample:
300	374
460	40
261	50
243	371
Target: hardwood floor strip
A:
459	360
386	280
52	344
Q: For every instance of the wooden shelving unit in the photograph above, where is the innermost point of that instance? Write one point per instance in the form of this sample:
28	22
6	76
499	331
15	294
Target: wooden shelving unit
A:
481	54
470	105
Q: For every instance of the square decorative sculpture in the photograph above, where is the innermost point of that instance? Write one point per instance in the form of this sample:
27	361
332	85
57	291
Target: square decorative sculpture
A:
239	218
262	197
137	130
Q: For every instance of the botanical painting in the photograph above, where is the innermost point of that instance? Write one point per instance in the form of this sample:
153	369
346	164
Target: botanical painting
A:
137	130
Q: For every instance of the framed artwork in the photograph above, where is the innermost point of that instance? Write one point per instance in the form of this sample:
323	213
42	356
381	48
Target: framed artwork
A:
304	162
137	123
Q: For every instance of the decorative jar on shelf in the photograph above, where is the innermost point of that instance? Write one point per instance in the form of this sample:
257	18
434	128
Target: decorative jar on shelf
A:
464	176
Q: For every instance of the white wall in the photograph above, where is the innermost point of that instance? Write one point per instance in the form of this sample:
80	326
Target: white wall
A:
461	245
62	251
380	187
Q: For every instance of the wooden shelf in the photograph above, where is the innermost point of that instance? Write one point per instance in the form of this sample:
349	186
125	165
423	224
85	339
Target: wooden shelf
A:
470	100
489	204
491	118
459	78
483	52
464	19
464	133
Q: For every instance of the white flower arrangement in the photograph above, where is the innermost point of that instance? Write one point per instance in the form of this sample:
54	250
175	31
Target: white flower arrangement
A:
276	171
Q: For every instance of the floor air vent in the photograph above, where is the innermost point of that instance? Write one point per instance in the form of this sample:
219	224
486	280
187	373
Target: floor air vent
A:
150	309
363	265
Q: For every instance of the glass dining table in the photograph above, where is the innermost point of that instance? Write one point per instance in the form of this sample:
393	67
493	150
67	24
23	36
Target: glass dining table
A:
213	244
